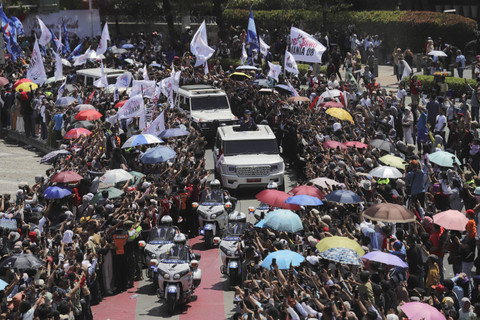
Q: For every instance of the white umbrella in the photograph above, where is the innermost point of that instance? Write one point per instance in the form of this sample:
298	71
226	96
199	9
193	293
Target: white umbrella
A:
141	139
326	182
82	107
333	95
437	53
66	63
52	79
386	172
130	61
112	177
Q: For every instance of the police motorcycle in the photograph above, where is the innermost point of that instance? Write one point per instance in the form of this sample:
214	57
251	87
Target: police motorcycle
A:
229	253
212	209
178	273
155	245
262	209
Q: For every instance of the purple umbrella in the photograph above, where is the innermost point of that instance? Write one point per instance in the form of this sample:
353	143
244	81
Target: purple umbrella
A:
385	258
173	132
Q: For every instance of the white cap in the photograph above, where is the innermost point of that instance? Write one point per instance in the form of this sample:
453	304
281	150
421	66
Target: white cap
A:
336	126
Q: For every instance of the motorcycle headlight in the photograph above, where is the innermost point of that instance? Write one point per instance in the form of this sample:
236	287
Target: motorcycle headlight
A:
213	216
166	275
176	276
229	252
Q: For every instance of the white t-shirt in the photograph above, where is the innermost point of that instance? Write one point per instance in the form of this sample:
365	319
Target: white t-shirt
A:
441	120
401	94
366	102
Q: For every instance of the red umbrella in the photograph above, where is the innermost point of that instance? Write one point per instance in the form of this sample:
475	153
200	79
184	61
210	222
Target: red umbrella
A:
67	177
333	104
451	220
88	115
120	104
276	198
20	82
3	81
334	144
308	191
357	144
77	132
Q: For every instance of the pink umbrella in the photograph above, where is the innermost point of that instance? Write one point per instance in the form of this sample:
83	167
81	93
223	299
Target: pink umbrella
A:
3	81
308	191
356	144
82	107
77	132
334	144
88	115
451	220
333	104
421	311
276	198
67	177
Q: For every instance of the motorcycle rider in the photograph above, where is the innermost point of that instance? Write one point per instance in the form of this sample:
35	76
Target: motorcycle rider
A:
180	248
165	230
215	189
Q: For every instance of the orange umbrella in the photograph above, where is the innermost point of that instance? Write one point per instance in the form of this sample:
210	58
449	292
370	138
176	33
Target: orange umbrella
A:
15	85
88	115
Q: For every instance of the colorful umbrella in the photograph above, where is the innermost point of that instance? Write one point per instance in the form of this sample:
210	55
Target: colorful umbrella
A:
339	242
385	258
393	161
340	114
333	104
67	177
88	115
77	132
239	76
158	154
389	212
304	200
356	144
342	256
53	155
276	198
18	82
334	144
56	192
443	158
307	190
451	220
283	220
141	139
421	311
284	258
26	87
385	172
343	196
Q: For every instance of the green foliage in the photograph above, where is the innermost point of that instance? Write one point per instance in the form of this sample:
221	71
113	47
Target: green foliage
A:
457	85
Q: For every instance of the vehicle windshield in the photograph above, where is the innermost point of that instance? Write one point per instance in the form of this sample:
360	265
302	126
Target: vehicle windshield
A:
236	228
176	252
211	197
232	148
162	233
209	103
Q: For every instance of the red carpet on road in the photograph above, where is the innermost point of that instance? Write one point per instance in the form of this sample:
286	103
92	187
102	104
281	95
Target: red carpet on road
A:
209	303
119	307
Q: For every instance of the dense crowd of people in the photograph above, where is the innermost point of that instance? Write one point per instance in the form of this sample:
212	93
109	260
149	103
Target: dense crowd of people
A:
85	244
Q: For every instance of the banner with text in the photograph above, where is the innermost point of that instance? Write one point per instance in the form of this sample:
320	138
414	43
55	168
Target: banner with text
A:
305	47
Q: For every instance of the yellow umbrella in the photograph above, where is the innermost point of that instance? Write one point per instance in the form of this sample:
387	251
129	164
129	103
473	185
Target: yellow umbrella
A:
340	114
26	86
339	242
239	75
393	161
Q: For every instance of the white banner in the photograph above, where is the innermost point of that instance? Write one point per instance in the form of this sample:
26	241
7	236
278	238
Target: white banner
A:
157	126
274	71
304	47
145	86
123	80
244	56
145	72
290	63
199	46
102	82
45	35
103	44
134	107
76	21
263	47
36	71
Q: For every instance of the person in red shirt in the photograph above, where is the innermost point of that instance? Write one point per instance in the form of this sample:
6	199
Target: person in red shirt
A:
437	240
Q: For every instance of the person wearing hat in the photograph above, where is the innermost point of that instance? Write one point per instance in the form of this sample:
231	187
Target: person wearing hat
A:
247	123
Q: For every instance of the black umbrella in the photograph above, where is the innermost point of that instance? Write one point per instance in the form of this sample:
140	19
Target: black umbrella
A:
82	124
21	261
383	145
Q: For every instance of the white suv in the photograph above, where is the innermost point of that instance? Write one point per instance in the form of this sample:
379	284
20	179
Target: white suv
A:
206	106
247	158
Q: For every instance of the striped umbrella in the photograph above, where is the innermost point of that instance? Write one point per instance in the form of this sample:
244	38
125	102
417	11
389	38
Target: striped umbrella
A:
342	255
141	139
53	155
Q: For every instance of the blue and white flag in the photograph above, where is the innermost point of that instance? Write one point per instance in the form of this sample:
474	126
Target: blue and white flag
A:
157	126
45	35
116	95
36	70
66	47
77	51
252	32
56	43
18	25
61	90
199	46
10	35
294	92
123	80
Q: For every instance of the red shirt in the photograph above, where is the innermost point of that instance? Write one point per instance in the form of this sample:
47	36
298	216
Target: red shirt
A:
435	239
413	87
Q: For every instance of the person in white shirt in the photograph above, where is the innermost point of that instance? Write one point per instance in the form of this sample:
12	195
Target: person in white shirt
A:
407	125
401	94
365	101
441	124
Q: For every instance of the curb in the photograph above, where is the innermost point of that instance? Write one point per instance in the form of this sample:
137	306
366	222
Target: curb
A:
22	139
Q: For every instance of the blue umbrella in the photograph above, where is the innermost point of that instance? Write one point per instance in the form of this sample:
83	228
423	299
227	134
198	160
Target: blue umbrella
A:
3	284
261	83
156	65
55	192
443	158
260	223
127	46
64	101
158	154
173	132
304	200
141	139
284	88
284	259
283	220
342	255
343	196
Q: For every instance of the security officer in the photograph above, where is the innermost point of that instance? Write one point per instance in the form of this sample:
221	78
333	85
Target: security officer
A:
134	231
247	123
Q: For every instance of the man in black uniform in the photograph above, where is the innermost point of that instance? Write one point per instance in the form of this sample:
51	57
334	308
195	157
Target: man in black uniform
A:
247	123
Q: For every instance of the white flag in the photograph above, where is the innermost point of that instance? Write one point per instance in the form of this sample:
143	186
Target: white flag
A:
290	63
263	47
157	126
36	71
46	35
172	83
123	80
102	81
406	70
304	47
274	71
134	107
199	46
61	90
103	45
58	67
294	92
145	72
176	80
244	55
143	87
82	59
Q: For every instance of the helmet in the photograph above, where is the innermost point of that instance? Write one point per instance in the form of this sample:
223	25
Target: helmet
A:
215	184
237	216
180	239
272	185
166	220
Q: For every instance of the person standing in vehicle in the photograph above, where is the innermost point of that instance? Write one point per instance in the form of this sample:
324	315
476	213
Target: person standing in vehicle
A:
247	123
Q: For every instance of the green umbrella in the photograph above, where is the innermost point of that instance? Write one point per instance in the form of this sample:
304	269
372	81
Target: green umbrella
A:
112	194
136	176
393	161
443	158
